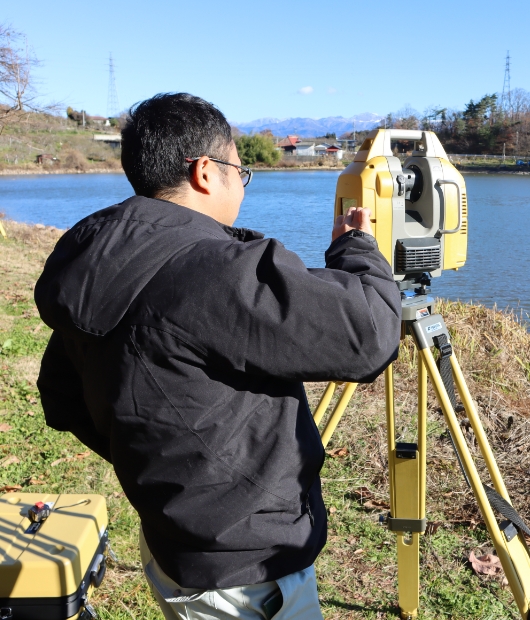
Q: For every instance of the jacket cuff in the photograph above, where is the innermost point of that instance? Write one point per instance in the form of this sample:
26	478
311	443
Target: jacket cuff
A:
352	234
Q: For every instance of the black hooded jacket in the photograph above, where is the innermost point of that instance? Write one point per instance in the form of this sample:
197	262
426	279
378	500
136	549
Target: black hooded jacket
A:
178	354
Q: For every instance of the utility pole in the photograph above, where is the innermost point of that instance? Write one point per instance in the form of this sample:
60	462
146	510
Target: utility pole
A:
113	106
506	99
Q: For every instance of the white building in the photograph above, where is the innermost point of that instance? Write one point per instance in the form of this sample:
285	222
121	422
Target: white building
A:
307	149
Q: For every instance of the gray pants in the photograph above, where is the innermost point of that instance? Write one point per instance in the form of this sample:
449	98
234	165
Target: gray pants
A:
299	591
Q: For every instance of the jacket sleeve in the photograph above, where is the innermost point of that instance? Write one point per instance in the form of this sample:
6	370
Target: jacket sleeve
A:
62	399
256	308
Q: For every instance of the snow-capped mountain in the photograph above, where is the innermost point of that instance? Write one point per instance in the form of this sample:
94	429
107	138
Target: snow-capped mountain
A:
311	127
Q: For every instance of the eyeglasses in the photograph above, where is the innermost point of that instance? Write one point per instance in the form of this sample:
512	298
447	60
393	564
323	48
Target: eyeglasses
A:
244	173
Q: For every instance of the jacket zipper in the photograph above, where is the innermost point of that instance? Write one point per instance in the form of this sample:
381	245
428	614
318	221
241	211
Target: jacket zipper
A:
309	513
312	422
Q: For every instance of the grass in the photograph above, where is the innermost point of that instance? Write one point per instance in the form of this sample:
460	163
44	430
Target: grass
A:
357	570
486	164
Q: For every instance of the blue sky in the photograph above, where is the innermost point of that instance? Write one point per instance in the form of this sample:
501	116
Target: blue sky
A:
277	58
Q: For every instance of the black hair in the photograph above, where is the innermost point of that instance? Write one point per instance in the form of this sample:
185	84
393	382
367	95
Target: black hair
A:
161	132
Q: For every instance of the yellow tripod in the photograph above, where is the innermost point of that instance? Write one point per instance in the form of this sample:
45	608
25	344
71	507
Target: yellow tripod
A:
407	463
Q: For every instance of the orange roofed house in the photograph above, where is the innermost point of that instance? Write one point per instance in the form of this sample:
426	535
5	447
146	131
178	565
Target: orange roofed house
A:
288	145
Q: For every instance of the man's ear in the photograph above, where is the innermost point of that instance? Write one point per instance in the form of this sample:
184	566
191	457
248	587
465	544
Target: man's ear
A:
204	173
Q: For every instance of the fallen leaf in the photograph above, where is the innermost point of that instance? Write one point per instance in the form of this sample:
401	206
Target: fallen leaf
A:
10	460
432	527
488	564
375	504
332	510
78	457
5	427
337	452
34	481
10	488
31	413
358	551
37	328
363	493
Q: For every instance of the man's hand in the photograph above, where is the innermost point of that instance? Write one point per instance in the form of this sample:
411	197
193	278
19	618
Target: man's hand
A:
355	219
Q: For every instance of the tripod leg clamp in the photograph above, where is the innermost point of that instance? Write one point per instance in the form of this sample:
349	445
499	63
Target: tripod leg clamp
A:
406	525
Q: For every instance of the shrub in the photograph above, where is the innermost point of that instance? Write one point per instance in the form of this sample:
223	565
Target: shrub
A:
74	160
257	149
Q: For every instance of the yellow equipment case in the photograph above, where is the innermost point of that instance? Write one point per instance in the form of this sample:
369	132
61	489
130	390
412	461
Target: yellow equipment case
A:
53	551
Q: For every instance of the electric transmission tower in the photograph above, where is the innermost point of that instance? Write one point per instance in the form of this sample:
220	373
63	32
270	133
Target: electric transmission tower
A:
506	99
113	106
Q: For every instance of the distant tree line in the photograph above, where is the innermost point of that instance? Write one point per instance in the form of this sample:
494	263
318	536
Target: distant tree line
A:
486	126
81	117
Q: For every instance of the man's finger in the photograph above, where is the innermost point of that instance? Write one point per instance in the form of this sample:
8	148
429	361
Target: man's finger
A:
365	216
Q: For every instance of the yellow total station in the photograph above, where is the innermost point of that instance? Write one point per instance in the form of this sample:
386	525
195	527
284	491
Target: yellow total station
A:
419	209
419	216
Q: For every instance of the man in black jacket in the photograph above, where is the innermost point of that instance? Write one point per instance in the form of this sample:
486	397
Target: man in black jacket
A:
179	349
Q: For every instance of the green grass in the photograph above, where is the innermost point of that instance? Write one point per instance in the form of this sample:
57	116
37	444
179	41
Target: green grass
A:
54	462
508	165
358	569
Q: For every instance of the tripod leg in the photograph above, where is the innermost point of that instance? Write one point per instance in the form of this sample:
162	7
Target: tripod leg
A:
422	432
407	476
335	417
478	429
511	550
391	433
325	399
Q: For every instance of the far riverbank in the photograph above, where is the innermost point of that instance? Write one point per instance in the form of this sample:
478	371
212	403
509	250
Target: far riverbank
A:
34	169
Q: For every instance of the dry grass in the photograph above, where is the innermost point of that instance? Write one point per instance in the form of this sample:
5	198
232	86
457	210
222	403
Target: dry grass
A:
493	349
73	146
39	241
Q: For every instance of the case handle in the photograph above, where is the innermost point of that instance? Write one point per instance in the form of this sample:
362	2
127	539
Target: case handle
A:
97	572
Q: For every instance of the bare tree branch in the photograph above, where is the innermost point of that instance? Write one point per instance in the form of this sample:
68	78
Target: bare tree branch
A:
18	93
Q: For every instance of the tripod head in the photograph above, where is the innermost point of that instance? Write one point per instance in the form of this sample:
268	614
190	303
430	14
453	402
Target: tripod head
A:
419	209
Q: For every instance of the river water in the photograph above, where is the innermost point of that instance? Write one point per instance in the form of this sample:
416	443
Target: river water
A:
296	207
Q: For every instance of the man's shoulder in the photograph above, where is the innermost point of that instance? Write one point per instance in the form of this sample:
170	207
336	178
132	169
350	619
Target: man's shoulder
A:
152	212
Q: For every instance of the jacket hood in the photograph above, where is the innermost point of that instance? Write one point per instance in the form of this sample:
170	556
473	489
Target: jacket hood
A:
100	266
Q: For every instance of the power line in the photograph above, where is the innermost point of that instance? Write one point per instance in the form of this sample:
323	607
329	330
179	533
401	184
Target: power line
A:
113	106
506	88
